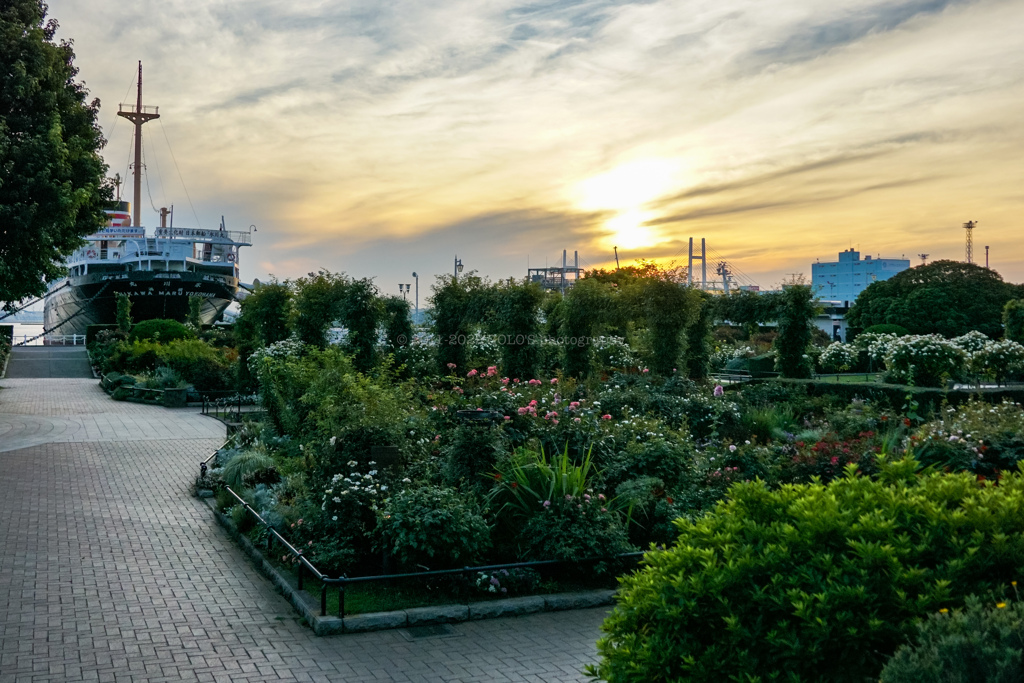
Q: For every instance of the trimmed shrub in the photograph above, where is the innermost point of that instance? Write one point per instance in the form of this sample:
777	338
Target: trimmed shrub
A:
160	330
981	643
433	527
813	582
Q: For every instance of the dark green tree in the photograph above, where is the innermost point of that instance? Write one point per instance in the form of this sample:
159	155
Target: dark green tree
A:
512	314
265	319
361	312
747	309
267	310
1013	320
124	313
318	302
945	297
52	191
794	317
454	307
585	308
698	339
668	309
397	323
195	311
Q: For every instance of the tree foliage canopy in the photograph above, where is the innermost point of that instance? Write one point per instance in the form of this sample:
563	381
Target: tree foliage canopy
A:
944	297
52	191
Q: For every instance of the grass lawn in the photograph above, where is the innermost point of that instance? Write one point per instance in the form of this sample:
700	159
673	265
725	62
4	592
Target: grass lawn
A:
851	378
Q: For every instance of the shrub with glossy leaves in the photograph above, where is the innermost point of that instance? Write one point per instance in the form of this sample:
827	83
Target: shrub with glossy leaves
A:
813	582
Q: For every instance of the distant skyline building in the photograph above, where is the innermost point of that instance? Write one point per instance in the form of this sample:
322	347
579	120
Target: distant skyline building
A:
843	280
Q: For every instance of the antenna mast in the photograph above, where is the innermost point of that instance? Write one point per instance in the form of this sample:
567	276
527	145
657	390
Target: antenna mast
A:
924	258
138	115
969	227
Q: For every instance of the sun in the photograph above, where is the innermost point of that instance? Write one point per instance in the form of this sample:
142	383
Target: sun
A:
628	230
624	192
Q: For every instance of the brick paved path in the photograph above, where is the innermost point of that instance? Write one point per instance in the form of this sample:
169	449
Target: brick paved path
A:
110	571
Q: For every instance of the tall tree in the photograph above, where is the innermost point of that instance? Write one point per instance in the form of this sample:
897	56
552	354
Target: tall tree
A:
945	297
1013	320
52	191
795	315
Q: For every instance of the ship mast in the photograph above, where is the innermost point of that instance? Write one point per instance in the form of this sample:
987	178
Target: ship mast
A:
138	115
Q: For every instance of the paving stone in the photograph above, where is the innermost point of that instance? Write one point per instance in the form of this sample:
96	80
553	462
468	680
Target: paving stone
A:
111	571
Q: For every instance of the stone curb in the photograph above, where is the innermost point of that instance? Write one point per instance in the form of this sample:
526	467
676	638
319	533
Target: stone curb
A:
309	608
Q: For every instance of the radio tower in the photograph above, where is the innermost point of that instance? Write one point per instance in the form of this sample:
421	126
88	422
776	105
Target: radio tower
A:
969	227
924	258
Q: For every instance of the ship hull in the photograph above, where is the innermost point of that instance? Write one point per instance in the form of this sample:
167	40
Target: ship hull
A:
92	299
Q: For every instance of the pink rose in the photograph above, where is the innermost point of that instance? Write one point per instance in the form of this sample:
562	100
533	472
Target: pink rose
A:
471	373
606	417
554	380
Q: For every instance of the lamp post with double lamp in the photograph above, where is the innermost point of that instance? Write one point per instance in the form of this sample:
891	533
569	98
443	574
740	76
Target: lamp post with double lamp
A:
402	291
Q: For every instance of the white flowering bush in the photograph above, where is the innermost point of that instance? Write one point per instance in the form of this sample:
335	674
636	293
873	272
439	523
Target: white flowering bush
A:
482	349
283	350
972	342
926	360
876	344
839	357
996	359
350	495
613	353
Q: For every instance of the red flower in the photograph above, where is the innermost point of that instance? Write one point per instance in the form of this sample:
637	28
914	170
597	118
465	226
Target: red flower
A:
668	499
906	422
514	485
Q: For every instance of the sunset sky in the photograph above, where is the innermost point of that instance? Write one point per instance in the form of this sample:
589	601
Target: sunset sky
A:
382	137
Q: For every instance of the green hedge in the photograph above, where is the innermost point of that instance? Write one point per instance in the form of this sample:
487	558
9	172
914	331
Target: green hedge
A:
813	582
7	333
929	399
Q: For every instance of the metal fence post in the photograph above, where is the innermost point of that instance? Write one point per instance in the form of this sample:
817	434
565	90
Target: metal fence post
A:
323	599
301	569
341	598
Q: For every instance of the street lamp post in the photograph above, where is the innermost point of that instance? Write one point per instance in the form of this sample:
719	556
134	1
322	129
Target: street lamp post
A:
402	290
458	266
417	293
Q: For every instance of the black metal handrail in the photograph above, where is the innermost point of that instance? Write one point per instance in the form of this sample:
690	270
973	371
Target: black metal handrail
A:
343	581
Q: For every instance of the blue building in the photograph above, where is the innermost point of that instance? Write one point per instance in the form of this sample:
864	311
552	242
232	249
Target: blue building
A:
842	281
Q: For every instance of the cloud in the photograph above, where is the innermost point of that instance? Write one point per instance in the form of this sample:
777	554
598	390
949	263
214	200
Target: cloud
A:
376	135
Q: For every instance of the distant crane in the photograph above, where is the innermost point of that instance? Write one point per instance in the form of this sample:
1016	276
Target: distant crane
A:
924	258
969	227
